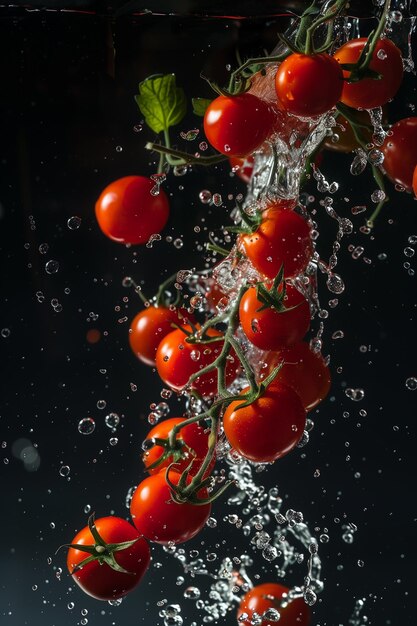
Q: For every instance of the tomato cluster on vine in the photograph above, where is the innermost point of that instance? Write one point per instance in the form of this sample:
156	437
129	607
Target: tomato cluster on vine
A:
241	356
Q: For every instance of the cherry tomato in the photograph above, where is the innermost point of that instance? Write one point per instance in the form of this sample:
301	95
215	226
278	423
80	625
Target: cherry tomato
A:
98	579
415	181
243	167
150	326
269	596
237	125
369	93
268	428
177	360
283	238
303	370
269	328
159	518
193	436
308	84
400	152
128	212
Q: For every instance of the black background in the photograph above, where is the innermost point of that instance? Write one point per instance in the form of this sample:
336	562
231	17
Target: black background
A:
67	109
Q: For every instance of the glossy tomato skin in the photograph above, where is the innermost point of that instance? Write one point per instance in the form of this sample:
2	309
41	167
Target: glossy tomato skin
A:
127	212
160	519
270	329
267	429
193	435
101	581
268	596
282	238
150	326
369	93
237	125
415	181
303	370
177	360
308	85
400	152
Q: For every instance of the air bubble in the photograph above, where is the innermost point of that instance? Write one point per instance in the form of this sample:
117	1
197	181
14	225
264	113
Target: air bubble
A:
74	222
52	267
86	426
411	383
112	420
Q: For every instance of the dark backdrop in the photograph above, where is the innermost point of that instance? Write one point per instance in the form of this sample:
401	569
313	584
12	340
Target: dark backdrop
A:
67	130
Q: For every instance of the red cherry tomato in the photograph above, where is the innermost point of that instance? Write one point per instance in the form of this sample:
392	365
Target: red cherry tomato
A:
303	371
159	518
283	238
99	580
270	329
243	167
150	326
196	446
415	181
400	152
369	93
308	85
177	360
128	212
267	429
269	596
237	125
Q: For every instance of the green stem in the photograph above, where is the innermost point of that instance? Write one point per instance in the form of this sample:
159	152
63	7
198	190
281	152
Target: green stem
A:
364	63
331	14
184	158
380	182
235	77
160	300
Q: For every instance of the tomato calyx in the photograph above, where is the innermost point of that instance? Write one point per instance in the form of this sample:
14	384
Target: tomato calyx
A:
101	551
175	449
250	222
273	296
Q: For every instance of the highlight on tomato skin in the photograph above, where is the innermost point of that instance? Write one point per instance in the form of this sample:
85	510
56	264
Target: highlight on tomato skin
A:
400	152
269	596
243	167
283	238
268	428
237	125
308	85
99	580
131	209
368	93
270	329
302	370
158	518
150	326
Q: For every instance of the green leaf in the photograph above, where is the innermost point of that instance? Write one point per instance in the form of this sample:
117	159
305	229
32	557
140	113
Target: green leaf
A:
161	102
200	106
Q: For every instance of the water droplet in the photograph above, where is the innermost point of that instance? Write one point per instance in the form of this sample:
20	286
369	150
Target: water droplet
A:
355	394
217	199
409	251
192	593
381	54
190	135
74	222
119	149
335	283
358	209
64	470
180	170
178	243
152	239
377	196
205	196
86	426
211	522
51	267
361	563
113	441
309	596
338	334
5	332
358	163
101	404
